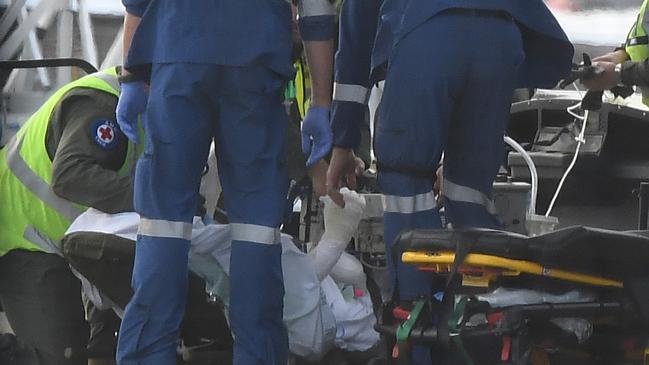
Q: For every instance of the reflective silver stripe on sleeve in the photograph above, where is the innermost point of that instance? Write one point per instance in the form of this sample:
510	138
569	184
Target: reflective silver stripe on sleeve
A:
41	240
165	229
109	79
307	8
255	233
410	204
36	185
465	194
349	92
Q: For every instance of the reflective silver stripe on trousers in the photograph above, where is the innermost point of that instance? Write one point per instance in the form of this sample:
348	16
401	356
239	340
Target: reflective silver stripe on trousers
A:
110	80
36	184
165	229
348	92
465	194
41	240
410	204
308	8
255	233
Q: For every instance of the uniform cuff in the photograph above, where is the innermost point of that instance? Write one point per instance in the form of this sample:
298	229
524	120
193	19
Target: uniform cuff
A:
317	28
138	11
346	118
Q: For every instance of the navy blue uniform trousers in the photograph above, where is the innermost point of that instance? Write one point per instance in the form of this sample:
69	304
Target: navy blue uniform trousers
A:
240	108
448	90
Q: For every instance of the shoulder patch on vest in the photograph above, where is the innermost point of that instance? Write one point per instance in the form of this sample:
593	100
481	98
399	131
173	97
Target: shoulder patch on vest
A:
104	133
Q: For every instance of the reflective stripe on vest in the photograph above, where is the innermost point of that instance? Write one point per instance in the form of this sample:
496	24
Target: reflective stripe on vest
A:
110	79
36	185
32	216
637	43
31	234
637	40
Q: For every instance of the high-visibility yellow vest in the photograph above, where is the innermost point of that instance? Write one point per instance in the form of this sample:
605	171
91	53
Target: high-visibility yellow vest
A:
298	90
302	86
637	43
32	216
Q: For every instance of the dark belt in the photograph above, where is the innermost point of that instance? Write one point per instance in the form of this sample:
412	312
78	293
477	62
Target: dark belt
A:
480	12
638	41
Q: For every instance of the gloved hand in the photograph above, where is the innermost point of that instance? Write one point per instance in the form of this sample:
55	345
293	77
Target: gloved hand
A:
317	137
341	223
132	102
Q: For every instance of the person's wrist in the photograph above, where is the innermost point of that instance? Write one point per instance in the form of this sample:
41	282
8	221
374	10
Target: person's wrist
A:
321	103
621	56
322	108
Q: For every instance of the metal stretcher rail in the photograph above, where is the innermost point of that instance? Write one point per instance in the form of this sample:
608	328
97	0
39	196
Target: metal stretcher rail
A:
528	267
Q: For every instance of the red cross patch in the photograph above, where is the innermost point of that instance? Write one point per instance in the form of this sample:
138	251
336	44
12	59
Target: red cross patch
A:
104	133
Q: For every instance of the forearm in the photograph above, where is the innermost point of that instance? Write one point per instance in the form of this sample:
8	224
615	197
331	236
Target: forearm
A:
358	24
620	56
131	23
326	255
320	56
88	184
316	24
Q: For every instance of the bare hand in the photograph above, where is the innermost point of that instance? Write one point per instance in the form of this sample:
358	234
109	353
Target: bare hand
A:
343	168
604	81
616	57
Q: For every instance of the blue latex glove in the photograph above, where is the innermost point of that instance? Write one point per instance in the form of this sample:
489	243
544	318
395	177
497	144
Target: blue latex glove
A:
317	137
132	103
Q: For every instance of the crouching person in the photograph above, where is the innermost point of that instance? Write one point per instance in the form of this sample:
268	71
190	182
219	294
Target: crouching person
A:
69	155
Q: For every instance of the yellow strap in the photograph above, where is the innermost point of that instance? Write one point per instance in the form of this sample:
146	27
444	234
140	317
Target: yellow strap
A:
474	259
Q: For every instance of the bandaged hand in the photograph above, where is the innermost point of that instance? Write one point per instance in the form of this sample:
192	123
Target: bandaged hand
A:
341	223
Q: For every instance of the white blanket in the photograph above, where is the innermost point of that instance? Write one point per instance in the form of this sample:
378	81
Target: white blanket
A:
317	314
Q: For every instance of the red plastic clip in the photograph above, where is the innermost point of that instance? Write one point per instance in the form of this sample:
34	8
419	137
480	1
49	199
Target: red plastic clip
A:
493	319
507	348
400	313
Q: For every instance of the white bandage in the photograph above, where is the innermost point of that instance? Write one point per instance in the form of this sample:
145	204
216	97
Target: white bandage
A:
340	226
341	223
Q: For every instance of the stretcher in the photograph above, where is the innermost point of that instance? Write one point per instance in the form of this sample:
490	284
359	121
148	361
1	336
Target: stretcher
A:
578	295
